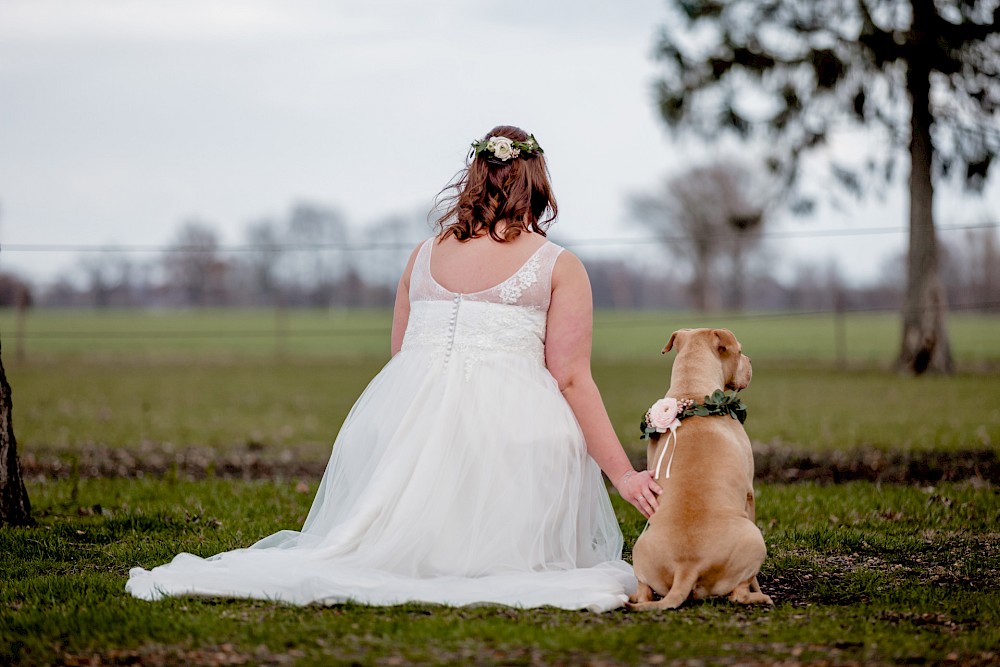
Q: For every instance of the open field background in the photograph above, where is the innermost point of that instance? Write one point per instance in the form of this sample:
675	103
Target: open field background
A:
862	573
225	380
865	339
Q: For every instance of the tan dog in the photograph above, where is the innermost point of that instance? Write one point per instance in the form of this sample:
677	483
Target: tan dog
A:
702	541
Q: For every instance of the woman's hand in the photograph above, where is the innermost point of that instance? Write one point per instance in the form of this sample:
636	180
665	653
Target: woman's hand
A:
639	489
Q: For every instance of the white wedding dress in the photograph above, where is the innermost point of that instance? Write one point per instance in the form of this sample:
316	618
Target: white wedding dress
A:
459	477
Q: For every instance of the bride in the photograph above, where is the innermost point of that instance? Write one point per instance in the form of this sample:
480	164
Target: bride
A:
467	471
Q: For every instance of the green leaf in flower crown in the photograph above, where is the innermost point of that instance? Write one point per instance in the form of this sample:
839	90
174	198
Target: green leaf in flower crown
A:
701	411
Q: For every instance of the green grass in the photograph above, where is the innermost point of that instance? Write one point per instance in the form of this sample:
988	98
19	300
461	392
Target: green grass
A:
859	573
221	378
298	405
870	339
209	334
822	409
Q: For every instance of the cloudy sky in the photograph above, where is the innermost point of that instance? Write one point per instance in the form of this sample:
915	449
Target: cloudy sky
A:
121	118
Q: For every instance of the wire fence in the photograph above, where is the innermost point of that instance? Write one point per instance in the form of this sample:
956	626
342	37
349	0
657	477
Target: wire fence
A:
27	331
368	246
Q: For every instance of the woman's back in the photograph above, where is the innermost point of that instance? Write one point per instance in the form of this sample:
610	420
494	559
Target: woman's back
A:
479	264
496	312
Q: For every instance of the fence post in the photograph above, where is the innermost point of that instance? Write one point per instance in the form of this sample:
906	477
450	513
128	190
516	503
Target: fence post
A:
840	328
280	328
21	315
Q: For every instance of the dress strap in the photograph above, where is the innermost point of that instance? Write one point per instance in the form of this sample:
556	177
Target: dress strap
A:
532	285
422	285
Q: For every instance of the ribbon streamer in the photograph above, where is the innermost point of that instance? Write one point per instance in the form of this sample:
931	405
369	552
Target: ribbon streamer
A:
666	444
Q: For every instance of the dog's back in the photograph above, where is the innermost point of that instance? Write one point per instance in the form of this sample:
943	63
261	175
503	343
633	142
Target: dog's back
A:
702	540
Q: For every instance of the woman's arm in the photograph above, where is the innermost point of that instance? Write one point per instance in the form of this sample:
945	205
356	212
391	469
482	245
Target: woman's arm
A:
568	339
401	311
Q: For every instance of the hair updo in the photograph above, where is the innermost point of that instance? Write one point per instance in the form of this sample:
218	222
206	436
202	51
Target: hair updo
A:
499	198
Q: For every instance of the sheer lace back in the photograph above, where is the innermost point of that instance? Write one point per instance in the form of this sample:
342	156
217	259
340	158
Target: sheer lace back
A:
508	318
530	286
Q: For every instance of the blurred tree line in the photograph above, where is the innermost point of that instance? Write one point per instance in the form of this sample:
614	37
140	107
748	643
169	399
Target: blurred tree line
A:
713	255
310	257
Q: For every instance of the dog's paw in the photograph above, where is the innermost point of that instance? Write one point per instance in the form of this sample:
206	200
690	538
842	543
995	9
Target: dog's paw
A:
748	597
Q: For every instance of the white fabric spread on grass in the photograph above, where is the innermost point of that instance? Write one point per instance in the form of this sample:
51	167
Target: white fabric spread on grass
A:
459	477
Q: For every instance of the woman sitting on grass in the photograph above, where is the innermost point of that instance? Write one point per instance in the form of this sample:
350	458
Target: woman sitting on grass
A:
467	471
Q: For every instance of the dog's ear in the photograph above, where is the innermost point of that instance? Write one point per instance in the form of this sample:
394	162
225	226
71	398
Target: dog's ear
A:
670	343
725	340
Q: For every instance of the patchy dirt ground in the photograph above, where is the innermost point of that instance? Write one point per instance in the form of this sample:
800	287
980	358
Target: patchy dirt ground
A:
785	464
773	464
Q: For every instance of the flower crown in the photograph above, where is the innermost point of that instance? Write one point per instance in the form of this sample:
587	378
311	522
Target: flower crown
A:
502	149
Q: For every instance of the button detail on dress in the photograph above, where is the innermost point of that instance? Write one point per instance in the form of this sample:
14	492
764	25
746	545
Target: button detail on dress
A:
451	328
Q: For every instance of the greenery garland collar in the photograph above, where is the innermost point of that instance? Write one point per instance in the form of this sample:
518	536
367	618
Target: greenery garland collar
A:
667	413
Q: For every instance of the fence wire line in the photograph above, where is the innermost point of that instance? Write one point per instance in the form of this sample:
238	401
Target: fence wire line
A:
398	245
280	332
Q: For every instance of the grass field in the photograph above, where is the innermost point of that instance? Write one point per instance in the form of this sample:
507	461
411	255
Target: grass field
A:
860	574
209	379
298	406
868	339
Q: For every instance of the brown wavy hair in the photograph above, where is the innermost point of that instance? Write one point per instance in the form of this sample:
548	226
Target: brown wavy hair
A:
488	194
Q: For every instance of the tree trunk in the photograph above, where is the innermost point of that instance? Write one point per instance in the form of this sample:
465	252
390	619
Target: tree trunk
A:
701	286
15	509
925	346
735	288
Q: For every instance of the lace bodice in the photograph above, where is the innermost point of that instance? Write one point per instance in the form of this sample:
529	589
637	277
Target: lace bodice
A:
508	318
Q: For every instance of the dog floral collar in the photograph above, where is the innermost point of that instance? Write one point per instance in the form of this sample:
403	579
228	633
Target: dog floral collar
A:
666	415
666	411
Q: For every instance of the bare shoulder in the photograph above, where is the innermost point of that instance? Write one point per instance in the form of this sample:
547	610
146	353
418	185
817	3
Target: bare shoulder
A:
568	270
413	253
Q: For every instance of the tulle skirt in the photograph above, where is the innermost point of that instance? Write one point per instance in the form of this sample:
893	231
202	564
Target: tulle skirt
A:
454	481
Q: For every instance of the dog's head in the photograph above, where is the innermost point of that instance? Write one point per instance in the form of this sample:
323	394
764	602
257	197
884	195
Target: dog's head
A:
736	368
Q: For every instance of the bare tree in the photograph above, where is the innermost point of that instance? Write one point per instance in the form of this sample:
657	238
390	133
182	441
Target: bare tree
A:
704	215
319	233
390	241
193	265
265	239
744	201
14	291
817	287
107	275
970	270
15	507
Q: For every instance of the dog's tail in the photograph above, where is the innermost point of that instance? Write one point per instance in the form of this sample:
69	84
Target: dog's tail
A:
684	582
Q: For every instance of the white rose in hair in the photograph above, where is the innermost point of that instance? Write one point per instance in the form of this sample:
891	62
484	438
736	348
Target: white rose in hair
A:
503	148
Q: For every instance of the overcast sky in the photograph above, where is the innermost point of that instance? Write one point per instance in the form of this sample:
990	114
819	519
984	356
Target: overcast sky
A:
121	118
